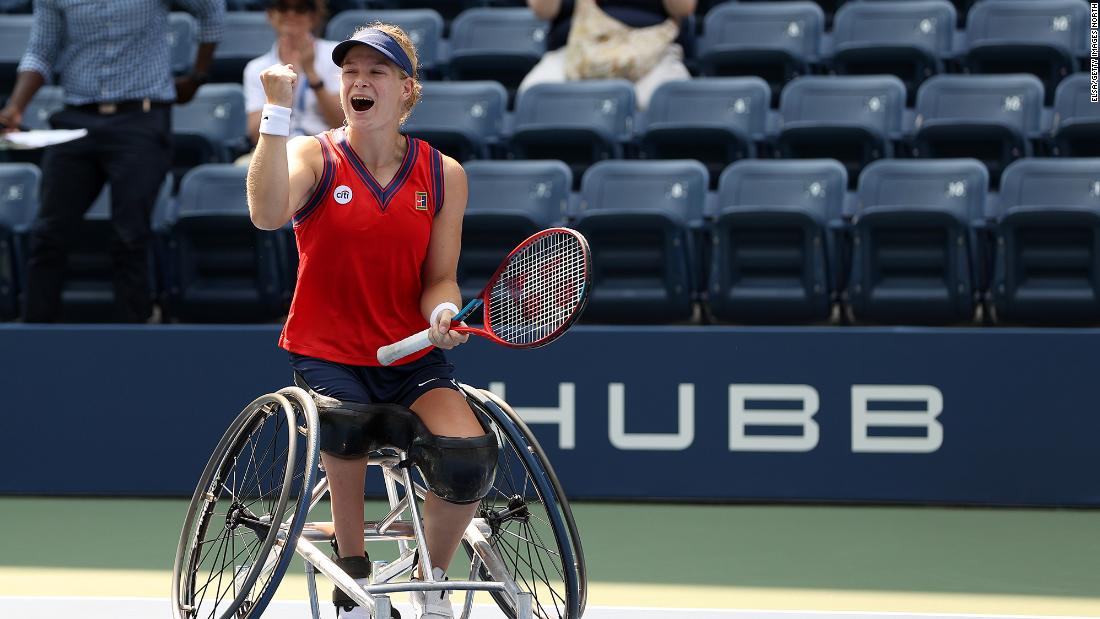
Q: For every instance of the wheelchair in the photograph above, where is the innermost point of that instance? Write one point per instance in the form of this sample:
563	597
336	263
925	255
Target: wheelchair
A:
249	516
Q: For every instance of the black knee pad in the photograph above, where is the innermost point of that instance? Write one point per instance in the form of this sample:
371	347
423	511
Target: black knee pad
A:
352	430
458	470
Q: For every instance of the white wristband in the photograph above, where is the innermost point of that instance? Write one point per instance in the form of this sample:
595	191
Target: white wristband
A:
275	120
439	309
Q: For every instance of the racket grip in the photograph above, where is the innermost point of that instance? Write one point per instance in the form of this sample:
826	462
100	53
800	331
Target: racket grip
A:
393	352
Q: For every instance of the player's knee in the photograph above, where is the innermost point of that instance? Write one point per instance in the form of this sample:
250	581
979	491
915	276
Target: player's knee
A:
458	469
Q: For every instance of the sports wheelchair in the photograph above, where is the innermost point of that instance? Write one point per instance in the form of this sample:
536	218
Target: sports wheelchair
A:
248	517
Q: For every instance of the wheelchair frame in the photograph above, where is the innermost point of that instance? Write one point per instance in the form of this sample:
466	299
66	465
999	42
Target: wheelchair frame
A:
484	540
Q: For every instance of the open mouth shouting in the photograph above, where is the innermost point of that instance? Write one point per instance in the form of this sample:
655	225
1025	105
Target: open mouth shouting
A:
361	103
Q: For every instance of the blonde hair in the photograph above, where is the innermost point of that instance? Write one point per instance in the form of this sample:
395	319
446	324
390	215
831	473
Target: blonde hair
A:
406	44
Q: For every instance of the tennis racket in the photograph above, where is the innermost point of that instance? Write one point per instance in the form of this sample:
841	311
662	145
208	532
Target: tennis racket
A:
536	294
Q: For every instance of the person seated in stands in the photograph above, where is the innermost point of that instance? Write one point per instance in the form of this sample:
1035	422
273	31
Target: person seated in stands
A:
317	97
638	40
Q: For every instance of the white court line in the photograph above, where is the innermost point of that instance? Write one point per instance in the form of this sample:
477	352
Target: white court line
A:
87	607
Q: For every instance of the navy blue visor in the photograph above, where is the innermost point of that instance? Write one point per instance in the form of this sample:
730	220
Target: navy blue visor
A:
376	39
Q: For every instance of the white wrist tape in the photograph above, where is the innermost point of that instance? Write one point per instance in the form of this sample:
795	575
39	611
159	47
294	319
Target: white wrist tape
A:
439	309
275	120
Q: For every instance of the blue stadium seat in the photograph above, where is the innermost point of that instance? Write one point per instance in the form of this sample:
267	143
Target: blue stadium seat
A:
1024	36
636	216
853	119
508	202
498	44
915	258
462	119
774	40
449	10
577	122
18	204
16	6
1047	265
183	41
1076	131
219	267
211	128
962	8
88	292
46	101
715	120
773	257
15	33
424	27
249	36
906	39
988	117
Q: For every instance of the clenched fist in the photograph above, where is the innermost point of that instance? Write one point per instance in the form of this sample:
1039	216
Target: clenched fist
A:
279	82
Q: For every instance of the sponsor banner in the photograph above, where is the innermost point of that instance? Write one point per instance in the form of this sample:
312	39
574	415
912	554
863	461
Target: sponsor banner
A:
960	416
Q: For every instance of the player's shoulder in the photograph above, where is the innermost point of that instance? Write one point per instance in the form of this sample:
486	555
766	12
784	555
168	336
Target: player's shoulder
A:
306	148
452	169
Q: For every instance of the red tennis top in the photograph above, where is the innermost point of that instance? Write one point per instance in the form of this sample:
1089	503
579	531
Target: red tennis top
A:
360	251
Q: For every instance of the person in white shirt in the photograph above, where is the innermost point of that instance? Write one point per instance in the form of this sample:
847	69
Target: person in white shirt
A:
317	97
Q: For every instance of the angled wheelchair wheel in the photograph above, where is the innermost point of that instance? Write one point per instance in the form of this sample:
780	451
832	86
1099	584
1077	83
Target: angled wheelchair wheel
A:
532	528
248	510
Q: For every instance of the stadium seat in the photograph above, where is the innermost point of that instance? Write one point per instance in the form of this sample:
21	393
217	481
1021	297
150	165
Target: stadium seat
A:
508	202
578	122
1024	36
15	33
774	40
906	39
251	37
498	44
211	128
1076	130
88	293
853	119
988	117
424	27
218	266
16	6
715	120
915	258
773	256
1047	264
636	216
462	119
18	204
183	41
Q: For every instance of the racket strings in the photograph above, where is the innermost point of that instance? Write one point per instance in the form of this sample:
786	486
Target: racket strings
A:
539	291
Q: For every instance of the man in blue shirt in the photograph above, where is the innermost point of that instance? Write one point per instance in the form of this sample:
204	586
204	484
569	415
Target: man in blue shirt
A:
113	62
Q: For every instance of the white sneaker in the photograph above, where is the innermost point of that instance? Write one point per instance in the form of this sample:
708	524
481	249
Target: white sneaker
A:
432	604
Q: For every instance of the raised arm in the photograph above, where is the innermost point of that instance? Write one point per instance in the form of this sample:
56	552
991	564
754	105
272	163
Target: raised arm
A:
282	174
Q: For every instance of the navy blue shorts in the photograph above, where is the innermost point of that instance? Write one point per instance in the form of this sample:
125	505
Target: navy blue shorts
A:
399	384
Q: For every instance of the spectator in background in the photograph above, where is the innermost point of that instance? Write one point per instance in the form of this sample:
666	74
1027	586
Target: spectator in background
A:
317	95
647	40
113	60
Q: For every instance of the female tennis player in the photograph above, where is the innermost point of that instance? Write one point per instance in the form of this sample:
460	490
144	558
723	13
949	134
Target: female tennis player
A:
378	219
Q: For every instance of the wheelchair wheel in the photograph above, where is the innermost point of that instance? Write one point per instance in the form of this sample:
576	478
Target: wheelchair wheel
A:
248	510
532	527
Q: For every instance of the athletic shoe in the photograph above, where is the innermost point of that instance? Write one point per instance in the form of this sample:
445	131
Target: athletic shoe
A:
432	604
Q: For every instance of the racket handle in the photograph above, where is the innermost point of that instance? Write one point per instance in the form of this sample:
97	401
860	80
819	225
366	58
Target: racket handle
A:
393	352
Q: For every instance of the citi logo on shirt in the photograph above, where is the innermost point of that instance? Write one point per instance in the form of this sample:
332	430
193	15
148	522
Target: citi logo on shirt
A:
421	202
342	194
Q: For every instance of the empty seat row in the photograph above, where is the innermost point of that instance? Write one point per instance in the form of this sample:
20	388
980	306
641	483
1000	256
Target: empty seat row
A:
855	119
919	242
